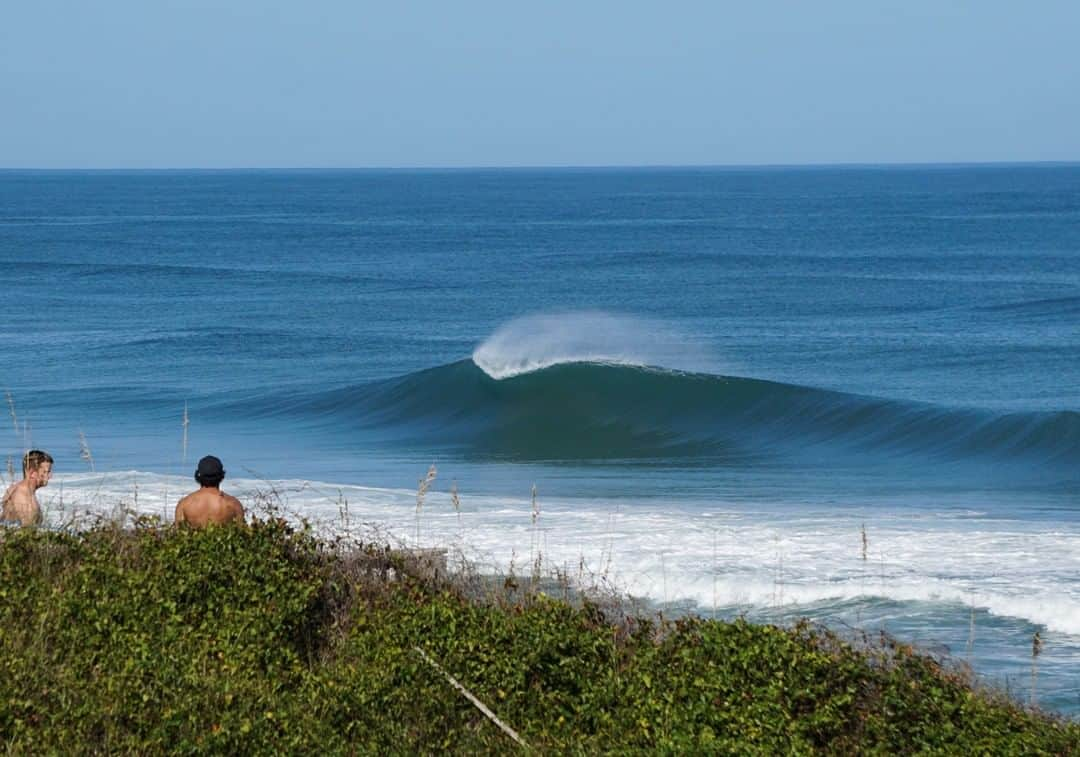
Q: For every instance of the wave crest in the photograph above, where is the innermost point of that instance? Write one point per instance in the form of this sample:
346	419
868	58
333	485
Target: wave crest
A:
532	343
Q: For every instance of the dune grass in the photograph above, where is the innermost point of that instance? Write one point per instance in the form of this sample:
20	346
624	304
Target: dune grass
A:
267	639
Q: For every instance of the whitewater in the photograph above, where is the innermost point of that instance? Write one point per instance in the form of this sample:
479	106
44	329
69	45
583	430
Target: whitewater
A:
939	578
711	556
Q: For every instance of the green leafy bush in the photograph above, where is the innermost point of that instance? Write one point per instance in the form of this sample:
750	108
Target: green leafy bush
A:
263	640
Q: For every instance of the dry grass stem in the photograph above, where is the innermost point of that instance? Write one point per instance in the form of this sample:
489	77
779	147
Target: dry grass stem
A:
184	440
11	408
343	509
1036	650
971	632
421	491
715	570
84	451
455	500
663	572
778	581
476	702
534	546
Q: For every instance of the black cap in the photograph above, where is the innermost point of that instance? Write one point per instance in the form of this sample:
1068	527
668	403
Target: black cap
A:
209	467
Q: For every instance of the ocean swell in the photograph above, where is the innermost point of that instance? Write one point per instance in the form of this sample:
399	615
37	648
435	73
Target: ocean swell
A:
605	412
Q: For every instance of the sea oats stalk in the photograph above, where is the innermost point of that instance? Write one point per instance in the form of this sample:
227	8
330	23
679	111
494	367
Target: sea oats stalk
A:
343	509
534	549
510	582
421	491
1036	650
84	451
971	630
605	565
184	439
862	575
715	570
663	574
778	581
11	408
455	500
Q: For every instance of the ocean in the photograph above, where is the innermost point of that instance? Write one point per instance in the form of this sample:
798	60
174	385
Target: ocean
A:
850	394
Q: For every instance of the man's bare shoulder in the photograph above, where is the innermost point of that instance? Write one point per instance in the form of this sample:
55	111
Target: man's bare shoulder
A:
18	494
192	504
236	509
7	509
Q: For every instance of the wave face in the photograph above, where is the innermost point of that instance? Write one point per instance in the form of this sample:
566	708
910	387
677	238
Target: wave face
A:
604	412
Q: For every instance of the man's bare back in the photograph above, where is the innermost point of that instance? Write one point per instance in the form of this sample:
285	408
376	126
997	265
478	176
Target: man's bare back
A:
209	505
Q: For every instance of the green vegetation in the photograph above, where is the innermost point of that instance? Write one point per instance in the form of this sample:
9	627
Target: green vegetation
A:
263	639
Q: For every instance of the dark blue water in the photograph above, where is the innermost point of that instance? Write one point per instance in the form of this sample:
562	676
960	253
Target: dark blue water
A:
782	346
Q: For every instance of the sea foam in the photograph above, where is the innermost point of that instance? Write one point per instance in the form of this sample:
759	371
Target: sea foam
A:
725	555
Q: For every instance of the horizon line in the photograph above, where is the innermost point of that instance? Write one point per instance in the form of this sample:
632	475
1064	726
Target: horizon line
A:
552	167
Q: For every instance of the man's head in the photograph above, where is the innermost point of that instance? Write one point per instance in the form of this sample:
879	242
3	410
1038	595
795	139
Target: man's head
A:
210	472
37	467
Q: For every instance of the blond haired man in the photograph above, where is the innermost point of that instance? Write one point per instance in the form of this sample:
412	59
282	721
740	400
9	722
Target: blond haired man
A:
20	505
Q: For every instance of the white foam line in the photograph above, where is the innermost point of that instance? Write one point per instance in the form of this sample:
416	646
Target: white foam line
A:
1007	567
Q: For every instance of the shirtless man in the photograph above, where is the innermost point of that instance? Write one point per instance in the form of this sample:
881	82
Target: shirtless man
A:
209	504
20	503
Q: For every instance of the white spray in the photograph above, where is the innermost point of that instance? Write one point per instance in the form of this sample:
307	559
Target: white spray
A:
534	342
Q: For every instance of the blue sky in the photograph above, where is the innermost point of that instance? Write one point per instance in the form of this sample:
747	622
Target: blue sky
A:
329	83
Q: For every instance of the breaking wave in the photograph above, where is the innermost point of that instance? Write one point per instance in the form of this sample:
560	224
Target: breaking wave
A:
607	412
